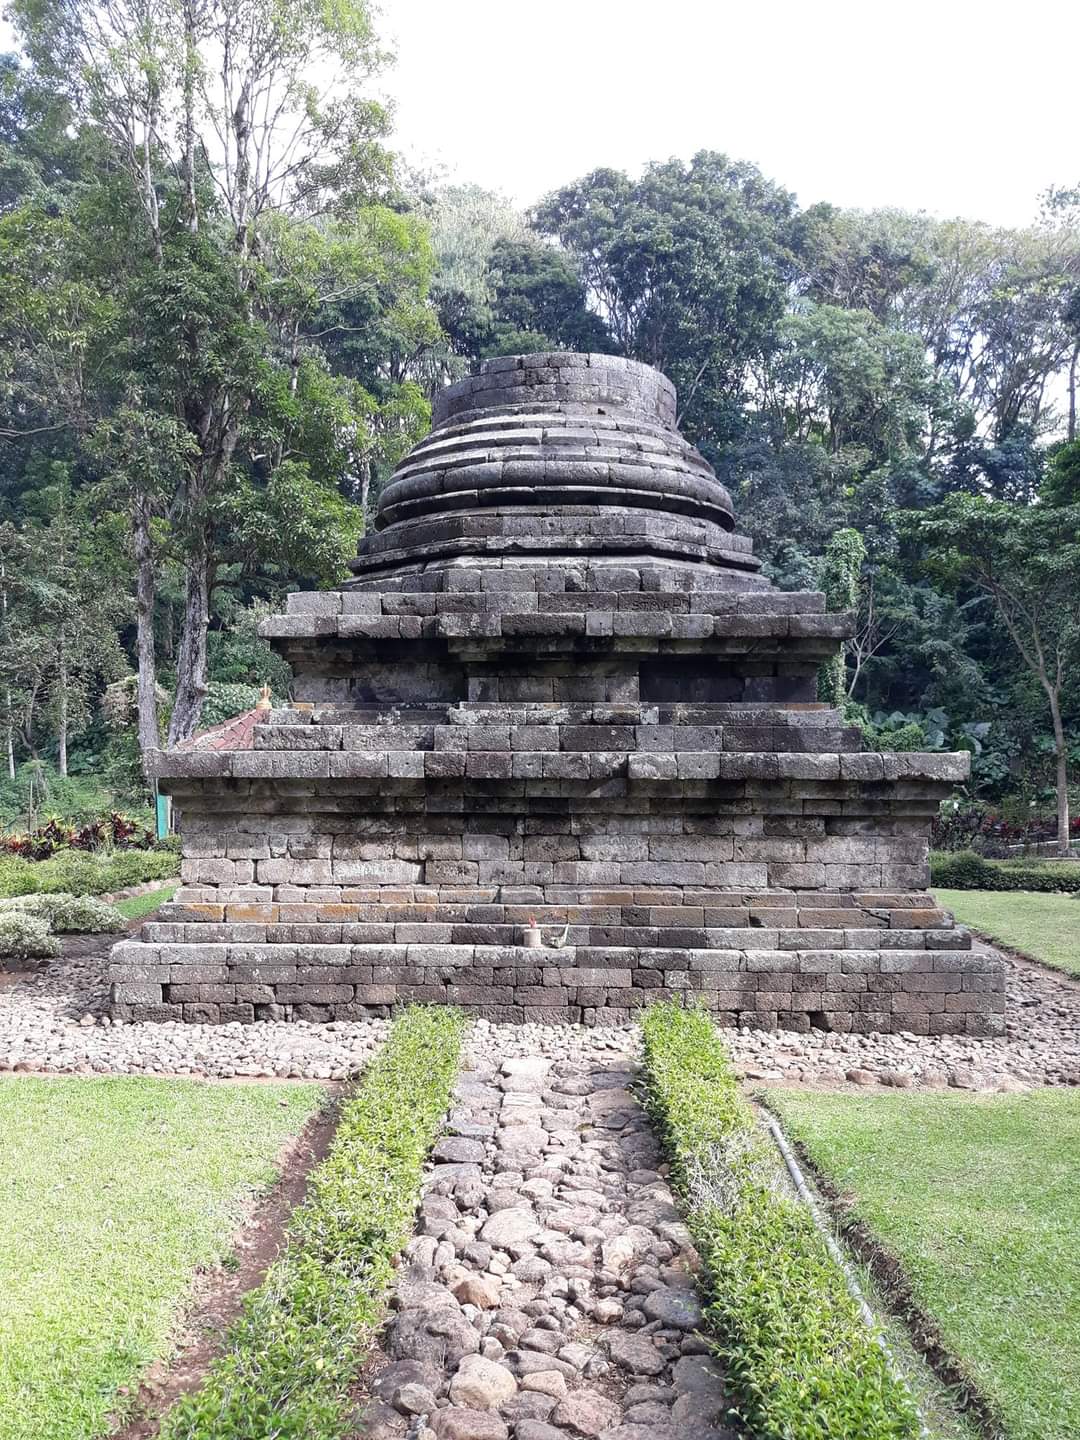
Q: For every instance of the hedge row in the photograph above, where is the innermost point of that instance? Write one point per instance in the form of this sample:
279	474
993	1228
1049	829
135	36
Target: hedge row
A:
800	1360
289	1361
75	872
965	870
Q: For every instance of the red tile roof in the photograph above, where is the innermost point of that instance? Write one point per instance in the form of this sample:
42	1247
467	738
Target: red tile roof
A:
234	734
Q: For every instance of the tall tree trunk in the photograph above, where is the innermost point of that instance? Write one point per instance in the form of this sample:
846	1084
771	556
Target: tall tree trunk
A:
218	437
144	629
7	699
1062	757
365	489
190	199
191	665
62	709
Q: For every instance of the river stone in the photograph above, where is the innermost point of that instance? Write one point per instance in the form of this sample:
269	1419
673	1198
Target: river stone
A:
648	1432
390	1382
415	1400
698	1374
529	1362
482	1384
458	1149
459	1423
697	1409
650	1412
483	1291
510	1227
415	1292
528	1138
635	1353
675	1309
528	1405
586	1412
547	1382
379	1422
618	1253
441	1338
538	1430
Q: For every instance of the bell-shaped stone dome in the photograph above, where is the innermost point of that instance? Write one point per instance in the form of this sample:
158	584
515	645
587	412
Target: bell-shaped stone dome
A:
550	455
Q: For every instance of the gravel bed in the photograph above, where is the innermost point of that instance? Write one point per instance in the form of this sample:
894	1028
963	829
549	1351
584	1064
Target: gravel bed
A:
548	1291
54	1020
1041	1046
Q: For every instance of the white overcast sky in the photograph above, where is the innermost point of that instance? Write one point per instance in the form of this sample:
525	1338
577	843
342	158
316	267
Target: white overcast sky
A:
958	107
954	107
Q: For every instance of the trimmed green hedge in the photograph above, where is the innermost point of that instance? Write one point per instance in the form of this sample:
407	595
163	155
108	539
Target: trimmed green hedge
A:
801	1362
77	872
965	870
290	1360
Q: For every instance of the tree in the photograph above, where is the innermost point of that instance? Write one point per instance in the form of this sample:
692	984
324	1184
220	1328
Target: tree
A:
243	156
538	302
862	260
466	223
841	378
58	620
1026	560
688	267
1062	483
990	307
841	579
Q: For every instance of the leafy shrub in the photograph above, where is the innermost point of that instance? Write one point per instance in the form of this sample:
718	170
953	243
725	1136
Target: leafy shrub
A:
16	876
799	1358
887	732
71	872
222	702
96	874
68	914
238	655
989	829
965	870
26	937
115	830
290	1360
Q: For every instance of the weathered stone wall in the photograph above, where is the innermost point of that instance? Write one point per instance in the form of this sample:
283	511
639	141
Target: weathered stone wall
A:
595	715
412	873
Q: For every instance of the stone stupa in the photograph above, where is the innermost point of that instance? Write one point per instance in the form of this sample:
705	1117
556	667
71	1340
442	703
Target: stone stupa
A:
555	751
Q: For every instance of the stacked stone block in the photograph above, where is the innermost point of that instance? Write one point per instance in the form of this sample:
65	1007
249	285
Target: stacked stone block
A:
595	717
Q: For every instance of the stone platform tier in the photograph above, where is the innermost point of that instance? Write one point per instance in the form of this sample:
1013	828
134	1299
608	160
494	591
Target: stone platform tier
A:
595	716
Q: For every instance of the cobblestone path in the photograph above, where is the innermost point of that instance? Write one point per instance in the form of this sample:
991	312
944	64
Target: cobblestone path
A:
547	1292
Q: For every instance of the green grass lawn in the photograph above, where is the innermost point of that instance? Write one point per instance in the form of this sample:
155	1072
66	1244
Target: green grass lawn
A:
979	1198
113	1192
1044	926
140	905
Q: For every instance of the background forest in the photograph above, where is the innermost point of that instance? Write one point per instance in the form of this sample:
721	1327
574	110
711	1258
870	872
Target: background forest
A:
225	305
